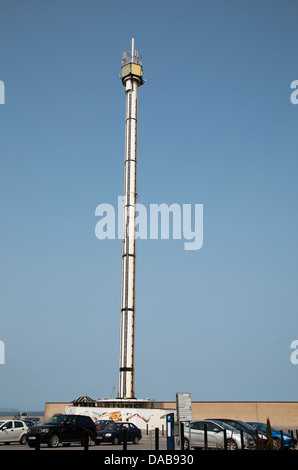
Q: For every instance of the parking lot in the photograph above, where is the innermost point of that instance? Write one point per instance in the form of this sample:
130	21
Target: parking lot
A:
152	439
146	443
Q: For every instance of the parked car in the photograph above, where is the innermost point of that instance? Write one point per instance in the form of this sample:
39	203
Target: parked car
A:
114	433
63	429
34	419
13	430
288	441
21	415
28	422
245	427
102	423
215	436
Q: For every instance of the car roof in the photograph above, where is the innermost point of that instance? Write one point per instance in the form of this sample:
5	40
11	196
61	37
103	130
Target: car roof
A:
122	422
221	419
230	420
12	419
201	421
69	415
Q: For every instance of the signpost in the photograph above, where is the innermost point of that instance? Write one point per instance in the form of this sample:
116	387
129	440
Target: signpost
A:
184	413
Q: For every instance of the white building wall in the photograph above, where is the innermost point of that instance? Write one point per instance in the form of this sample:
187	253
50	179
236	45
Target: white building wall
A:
141	417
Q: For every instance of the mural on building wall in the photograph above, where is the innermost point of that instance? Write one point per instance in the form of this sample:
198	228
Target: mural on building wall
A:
153	418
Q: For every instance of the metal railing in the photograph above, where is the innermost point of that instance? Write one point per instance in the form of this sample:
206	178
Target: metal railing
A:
128	57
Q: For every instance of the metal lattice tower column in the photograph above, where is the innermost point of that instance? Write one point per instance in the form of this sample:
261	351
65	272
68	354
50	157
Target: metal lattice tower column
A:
132	78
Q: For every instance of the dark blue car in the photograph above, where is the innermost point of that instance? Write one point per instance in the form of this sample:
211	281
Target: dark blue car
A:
289	441
114	433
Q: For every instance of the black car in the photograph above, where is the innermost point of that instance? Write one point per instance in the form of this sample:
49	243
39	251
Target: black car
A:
114	433
63	429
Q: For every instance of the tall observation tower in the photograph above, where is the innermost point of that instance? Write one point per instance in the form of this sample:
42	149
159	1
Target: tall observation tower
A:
132	78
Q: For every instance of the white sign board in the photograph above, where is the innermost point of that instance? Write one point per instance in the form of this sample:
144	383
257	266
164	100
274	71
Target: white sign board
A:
184	408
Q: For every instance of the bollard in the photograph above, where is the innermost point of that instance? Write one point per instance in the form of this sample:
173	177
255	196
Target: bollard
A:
156	438
86	441
124	439
37	441
163	430
257	440
205	437
282	444
225	439
181	436
147	429
241	438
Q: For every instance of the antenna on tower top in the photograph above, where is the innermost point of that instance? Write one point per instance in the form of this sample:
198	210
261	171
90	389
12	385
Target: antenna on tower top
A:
132	47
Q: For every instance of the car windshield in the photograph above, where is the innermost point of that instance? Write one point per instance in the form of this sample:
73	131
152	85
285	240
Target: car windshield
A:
1	422
112	427
224	425
261	426
275	429
246	426
57	419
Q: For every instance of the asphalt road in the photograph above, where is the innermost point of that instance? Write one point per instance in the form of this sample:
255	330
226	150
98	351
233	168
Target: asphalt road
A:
146	443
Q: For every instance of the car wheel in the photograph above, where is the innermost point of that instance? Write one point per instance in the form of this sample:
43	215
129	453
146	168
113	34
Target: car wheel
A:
135	440
54	440
23	439
231	444
116	441
186	444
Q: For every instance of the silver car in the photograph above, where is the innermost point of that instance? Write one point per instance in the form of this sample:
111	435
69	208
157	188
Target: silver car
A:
216	433
13	430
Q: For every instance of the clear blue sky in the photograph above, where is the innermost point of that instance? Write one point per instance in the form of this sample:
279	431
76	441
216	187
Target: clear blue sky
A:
216	127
